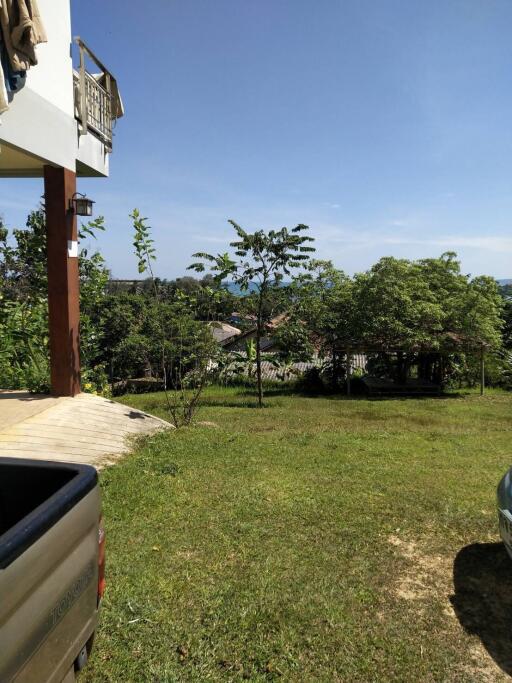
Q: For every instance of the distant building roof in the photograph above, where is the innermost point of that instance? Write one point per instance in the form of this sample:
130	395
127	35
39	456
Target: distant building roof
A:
235	315
269	371
267	343
278	320
223	332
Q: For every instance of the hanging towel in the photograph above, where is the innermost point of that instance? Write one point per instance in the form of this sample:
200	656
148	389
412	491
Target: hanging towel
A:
4	101
4	97
22	29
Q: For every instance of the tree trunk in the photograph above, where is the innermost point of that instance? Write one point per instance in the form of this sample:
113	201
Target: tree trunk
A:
399	375
441	370
259	329
422	367
258	370
334	369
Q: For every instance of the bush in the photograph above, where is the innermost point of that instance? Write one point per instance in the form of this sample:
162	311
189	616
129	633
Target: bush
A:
95	381
312	382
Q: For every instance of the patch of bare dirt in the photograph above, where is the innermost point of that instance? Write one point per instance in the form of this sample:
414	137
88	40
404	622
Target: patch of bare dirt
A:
427	577
423	575
481	668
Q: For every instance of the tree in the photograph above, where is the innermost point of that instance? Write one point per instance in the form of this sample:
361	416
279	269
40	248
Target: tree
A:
324	299
401	309
24	306
294	341
264	258
23	259
403	312
184	346
207	308
482	311
94	276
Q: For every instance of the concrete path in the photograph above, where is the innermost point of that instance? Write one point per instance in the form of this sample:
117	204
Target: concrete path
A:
86	429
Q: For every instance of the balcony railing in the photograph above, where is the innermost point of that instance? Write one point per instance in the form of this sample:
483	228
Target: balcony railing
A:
97	101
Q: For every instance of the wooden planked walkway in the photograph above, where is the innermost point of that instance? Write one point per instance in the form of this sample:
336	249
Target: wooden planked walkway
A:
86	429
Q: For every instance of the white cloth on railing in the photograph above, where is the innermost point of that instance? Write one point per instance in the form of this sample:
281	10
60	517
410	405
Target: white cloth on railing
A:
22	29
4	96
4	101
117	102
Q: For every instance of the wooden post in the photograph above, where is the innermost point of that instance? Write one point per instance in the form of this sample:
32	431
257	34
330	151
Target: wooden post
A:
349	371
63	281
482	371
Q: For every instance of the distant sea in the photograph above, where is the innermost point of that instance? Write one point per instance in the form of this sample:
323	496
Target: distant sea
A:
253	287
236	291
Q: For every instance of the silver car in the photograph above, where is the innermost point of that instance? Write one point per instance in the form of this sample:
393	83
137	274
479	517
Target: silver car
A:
504	496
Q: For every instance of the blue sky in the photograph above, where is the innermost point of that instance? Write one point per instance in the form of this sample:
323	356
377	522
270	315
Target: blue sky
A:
386	126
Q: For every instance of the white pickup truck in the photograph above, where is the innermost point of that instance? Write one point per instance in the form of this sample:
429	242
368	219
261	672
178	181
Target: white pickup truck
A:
52	561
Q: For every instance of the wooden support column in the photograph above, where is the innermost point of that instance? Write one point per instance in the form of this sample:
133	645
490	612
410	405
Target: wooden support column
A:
63	281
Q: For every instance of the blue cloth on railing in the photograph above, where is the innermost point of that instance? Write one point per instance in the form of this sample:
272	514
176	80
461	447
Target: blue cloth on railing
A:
16	80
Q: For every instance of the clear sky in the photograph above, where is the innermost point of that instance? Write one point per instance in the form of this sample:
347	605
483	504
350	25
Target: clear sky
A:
386	125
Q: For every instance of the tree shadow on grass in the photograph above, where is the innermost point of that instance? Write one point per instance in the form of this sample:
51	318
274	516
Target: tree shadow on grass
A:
482	576
233	403
248	397
271	391
337	396
398	397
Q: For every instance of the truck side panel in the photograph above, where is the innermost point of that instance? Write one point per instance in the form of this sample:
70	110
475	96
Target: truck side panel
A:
48	598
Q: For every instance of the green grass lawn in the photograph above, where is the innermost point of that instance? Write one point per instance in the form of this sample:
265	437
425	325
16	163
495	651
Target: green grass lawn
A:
317	539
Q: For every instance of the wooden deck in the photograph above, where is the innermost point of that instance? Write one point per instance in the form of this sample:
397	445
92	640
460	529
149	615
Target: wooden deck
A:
86	429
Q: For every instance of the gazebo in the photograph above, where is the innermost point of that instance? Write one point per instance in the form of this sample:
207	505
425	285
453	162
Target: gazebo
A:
430	360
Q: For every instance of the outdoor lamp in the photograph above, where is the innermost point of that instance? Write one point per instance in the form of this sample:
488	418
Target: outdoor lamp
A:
81	205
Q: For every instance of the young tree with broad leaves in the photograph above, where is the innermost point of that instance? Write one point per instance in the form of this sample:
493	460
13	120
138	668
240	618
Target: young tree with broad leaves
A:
184	346
264	258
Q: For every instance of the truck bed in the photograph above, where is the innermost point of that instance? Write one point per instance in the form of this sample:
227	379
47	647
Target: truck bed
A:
33	497
49	554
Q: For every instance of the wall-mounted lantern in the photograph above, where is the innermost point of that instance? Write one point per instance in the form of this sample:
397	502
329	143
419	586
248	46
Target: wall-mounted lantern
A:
81	205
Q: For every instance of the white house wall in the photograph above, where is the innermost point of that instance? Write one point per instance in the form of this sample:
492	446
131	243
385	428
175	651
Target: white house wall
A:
34	126
40	122
52	78
92	159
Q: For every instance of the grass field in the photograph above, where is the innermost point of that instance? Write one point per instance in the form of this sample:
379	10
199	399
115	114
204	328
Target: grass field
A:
317	539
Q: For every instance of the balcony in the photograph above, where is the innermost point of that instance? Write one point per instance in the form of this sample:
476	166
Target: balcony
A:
98	104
